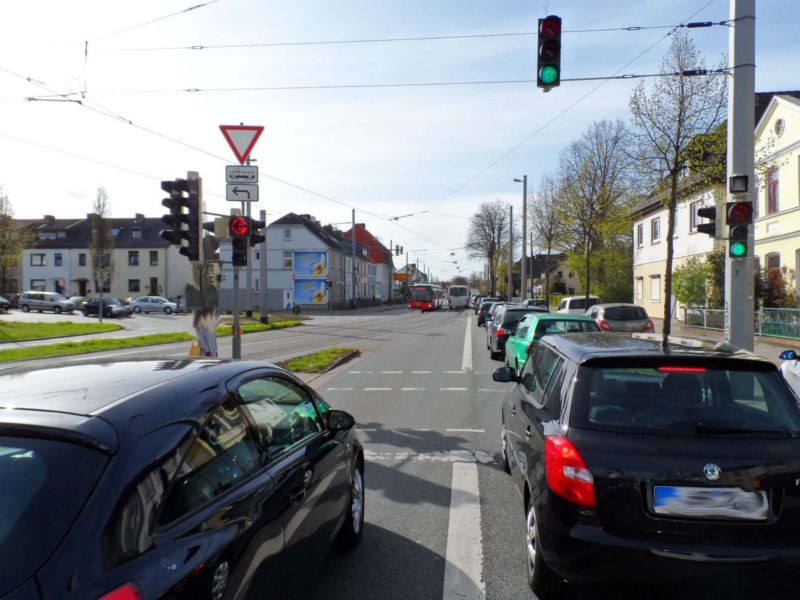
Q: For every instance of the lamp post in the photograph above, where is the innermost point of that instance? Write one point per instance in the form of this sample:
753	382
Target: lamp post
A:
523	268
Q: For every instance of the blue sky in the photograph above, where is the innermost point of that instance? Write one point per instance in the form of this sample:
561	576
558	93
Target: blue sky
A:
385	151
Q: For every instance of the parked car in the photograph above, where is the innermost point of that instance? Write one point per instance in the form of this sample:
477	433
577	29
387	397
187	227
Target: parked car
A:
492	309
536	303
577	305
481	301
5	304
41	301
13	300
78	301
620	317
680	458
483	308
148	304
238	474
501	327
536	325
112	307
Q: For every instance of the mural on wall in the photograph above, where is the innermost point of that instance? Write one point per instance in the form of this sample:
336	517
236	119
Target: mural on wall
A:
310	291
311	264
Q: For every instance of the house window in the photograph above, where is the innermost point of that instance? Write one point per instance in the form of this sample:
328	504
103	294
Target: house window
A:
287	235
136	234
133	258
773	261
38	260
694	218
655	288
38	285
57	259
639	235
288	259
655	230
153	258
773	204
133	285
640	288
61	235
82	259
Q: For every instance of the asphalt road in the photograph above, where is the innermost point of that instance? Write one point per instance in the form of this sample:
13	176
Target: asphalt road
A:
443	521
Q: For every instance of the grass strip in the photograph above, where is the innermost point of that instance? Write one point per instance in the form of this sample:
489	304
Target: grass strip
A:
14	331
104	344
317	362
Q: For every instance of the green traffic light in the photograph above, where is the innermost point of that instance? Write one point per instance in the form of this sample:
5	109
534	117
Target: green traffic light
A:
548	74
738	249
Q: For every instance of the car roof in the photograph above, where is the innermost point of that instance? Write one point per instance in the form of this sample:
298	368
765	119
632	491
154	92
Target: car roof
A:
543	316
617	305
583	347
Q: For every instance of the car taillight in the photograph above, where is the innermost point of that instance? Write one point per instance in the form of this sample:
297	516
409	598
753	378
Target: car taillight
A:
500	331
604	325
567	474
124	592
649	326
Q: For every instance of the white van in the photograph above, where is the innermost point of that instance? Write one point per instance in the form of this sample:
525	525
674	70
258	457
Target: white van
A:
458	296
577	305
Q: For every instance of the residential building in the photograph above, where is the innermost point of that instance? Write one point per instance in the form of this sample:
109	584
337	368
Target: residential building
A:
379	266
537	267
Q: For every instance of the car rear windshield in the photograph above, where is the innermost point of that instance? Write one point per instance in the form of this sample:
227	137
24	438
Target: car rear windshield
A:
557	326
684	399
625	313
513	316
45	484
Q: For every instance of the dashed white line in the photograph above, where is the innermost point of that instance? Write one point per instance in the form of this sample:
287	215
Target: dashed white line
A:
453	389
377	389
413	389
391	372
421	372
366	429
466	430
339	389
492	391
455	372
447	456
466	359
463	578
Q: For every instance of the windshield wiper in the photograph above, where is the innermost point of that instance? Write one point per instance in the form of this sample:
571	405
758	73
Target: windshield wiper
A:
717	428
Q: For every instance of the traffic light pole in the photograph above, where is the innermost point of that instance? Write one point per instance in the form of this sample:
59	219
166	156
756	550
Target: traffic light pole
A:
739	272
236	345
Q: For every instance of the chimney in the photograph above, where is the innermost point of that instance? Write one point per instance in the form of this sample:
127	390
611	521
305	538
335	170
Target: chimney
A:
49	219
138	218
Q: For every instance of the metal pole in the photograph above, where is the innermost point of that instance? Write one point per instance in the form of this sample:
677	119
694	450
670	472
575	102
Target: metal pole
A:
510	252
741	124
354	266
237	340
262	265
249	269
408	279
524	266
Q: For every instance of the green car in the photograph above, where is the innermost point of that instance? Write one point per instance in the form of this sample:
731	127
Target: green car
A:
536	325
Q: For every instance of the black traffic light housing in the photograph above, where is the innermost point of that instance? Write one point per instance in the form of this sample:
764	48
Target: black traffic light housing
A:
194	221
709	228
175	218
548	58
738	216
239	234
255	227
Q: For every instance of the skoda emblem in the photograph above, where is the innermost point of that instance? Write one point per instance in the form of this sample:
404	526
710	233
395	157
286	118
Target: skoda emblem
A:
712	472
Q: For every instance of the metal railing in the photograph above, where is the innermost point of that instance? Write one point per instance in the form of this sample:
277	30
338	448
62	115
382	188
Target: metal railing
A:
770	322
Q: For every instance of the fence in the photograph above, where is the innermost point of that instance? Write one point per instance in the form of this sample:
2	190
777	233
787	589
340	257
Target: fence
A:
770	322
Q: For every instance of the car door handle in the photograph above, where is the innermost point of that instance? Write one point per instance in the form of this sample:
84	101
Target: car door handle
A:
528	432
513	410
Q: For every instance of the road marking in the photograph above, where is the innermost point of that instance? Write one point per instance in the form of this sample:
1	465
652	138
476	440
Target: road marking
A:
421	372
466	430
457	372
366	429
360	372
446	456
413	389
344	389
492	391
453	389
377	389
463	578
391	372
466	360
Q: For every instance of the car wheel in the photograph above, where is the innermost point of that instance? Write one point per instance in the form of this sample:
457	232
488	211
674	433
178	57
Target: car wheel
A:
353	526
219	581
25	308
167	310
504	449
85	312
57	310
541	578
137	309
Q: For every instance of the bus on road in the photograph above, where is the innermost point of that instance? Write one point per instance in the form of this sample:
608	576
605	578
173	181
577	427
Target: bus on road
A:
425	296
458	296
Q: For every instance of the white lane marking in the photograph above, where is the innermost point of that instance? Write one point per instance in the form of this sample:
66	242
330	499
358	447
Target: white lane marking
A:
453	389
492	391
377	389
367	429
391	372
447	456
466	430
355	372
421	372
413	389
463	577
466	360
456	372
360	372
341	389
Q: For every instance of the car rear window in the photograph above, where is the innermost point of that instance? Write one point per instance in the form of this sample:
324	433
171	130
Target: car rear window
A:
624	313
684	400
36	474
511	316
558	326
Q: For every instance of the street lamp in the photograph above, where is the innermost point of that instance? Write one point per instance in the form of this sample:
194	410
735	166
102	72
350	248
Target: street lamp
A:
524	266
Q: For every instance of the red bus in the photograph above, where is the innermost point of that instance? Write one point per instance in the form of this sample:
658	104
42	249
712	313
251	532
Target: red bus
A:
425	296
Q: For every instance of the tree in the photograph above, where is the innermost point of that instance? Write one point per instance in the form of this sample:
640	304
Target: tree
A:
487	238
101	246
666	118
13	239
546	226
691	281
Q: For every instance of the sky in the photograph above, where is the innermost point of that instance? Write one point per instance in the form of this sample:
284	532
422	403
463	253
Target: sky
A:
93	93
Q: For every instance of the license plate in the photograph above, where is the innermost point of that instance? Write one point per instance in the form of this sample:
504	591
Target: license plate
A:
718	502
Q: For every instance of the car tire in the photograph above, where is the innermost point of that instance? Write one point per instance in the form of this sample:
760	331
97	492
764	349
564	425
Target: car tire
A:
137	309
504	450
167	310
56	310
353	527
542	580
85	312
25	308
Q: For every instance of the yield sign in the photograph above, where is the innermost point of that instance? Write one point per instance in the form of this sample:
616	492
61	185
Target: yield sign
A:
241	139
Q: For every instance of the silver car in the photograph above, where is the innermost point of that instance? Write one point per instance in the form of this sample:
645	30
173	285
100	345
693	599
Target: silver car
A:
148	304
42	301
621	317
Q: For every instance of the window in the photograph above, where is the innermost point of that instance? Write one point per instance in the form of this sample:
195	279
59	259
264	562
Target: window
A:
640	288
283	412
694	218
639	235
136	234
57	259
106	287
655	230
153	258
773	261
82	259
38	260
38	285
655	288
225	452
287	235
773	204
288	260
133	258
133	285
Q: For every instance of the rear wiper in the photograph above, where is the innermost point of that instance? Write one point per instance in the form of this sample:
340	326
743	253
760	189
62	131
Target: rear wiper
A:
716	428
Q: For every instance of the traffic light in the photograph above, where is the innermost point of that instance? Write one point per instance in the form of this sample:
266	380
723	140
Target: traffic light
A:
255	227
194	221
239	234
710	213
738	216
548	67
175	218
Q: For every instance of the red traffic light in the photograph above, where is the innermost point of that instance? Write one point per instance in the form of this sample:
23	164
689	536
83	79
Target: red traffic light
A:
550	27
239	226
739	213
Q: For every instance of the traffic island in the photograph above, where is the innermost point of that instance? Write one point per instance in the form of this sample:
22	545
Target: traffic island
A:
320	362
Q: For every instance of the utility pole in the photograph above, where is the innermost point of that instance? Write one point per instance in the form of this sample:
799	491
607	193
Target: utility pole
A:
524	263
739	301
354	269
262	264
250	253
510	252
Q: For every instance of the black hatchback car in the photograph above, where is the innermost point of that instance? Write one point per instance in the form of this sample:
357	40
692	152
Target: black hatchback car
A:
637	459
500	328
197	479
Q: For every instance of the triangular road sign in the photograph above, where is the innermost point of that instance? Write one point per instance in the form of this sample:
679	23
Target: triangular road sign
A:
241	139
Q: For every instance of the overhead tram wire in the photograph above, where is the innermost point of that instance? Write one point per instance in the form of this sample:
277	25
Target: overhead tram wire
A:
156	20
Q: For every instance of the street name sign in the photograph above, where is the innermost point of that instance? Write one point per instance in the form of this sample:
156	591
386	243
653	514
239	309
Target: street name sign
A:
241	174
241	139
241	192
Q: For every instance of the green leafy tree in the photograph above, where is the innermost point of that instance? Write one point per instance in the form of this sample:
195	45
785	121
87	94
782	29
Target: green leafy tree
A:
691	282
13	239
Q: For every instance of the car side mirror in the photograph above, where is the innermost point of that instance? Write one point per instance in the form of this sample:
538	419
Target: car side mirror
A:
339	420
788	355
505	375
